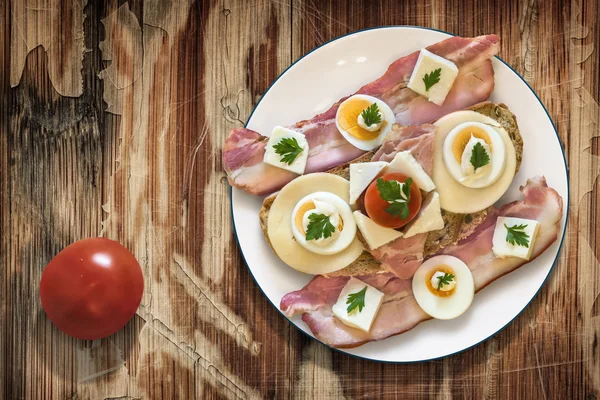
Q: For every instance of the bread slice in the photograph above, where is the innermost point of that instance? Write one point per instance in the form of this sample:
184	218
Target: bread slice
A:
456	226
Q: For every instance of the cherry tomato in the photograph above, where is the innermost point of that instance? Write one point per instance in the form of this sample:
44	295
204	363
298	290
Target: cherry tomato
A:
375	205
92	288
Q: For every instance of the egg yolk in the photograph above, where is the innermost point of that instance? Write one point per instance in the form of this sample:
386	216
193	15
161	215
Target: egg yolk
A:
463	137
309	205
348	119
442	268
303	209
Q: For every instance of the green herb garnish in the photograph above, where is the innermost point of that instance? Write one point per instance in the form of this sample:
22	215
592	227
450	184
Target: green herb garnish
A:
371	115
398	195
356	300
479	157
319	226
444	280
289	149
432	78
516	235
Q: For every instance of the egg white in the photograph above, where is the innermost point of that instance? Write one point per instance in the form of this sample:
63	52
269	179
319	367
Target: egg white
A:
498	155
444	307
346	235
387	115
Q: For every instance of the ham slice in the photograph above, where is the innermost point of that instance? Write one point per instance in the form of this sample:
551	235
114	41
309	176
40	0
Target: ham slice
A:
400	311
244	148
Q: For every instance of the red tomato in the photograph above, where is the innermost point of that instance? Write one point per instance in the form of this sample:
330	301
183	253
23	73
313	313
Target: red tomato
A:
375	205
92	288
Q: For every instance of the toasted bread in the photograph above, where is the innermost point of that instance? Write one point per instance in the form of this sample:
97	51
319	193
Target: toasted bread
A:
456	226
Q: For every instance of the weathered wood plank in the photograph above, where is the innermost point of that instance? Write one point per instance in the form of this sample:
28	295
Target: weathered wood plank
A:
135	155
57	26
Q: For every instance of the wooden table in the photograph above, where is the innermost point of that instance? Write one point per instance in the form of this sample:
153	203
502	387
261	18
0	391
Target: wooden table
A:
112	124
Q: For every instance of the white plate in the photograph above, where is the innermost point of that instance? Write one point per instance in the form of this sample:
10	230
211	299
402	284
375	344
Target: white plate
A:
339	68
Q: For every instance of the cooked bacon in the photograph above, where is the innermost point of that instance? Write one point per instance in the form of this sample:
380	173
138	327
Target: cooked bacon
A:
244	149
402	256
397	314
315	301
540	203
416	139
319	291
475	80
400	311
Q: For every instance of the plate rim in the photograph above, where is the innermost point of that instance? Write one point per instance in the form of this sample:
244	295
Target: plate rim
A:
560	247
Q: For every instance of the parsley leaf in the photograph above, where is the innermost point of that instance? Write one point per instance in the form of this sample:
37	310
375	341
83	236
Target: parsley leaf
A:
432	78
289	149
398	195
479	157
319	226
371	115
516	235
444	280
398	209
356	300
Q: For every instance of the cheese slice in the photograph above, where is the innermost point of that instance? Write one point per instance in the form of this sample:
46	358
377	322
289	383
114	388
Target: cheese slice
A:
361	319
427	64
429	217
375	235
271	157
500	245
361	176
406	164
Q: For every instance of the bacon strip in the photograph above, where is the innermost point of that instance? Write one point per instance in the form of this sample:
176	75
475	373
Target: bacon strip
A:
400	311
416	139
540	203
402	256
244	149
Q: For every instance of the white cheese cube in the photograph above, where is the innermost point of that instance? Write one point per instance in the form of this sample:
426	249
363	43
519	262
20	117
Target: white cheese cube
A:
502	248
429	217
374	234
361	176
406	164
358	319
271	157
427	64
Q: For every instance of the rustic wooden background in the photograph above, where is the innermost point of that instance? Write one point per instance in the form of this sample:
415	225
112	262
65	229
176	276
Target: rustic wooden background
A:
112	122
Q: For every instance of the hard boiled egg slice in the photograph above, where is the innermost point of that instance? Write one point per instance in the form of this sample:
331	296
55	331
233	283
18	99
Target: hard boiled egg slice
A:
454	196
329	216
443	286
353	127
474	154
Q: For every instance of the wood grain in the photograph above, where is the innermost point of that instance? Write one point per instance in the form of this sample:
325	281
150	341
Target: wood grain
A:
112	121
